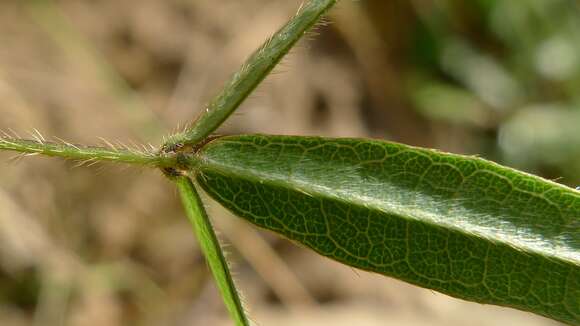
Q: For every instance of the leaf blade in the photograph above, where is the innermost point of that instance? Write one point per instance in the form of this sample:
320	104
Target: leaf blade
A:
459	225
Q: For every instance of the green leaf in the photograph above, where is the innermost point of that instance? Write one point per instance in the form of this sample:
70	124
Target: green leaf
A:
211	249
460	225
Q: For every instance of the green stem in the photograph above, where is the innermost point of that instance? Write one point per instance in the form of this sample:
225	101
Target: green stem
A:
211	249
254	70
88	154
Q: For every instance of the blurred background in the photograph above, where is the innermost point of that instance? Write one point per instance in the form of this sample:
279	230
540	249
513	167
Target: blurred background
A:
105	245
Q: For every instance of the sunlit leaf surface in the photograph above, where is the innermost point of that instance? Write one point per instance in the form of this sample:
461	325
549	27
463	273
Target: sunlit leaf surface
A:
459	225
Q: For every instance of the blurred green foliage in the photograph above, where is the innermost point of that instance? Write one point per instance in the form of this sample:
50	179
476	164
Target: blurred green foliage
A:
509	71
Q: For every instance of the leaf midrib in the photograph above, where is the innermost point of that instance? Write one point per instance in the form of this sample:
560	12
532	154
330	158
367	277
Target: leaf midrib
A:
385	207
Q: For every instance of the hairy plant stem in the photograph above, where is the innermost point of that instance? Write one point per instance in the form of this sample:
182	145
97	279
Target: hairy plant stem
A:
175	155
88	154
254	70
211	248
